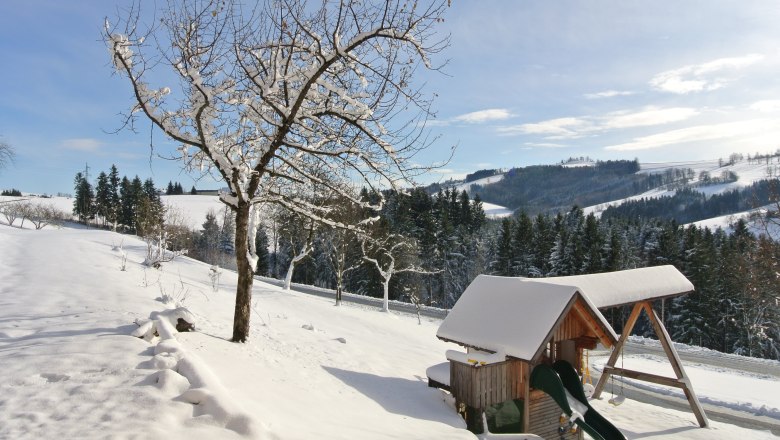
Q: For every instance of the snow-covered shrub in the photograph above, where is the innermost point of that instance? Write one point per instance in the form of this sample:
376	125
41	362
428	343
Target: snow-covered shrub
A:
214	274
46	214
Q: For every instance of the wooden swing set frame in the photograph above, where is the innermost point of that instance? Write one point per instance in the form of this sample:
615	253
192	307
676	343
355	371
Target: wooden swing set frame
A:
682	381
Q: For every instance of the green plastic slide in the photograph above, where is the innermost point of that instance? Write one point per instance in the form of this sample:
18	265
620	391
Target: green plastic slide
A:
555	381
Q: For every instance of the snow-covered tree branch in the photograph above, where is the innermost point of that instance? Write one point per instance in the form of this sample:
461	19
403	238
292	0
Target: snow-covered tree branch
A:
258	96
390	254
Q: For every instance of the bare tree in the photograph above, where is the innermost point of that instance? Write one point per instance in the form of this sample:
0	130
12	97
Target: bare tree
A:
300	236
10	210
45	214
767	216
337	243
262	95
7	154
391	254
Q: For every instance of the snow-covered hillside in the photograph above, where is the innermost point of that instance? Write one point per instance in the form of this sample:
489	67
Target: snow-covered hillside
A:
311	370
192	208
492	210
466	186
747	174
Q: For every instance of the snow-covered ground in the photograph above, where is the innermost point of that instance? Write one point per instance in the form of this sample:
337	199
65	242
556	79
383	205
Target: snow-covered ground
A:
192	208
195	208
495	211
747	174
752	393
311	370
483	181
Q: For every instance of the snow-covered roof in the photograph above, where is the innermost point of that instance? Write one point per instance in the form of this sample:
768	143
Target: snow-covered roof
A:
516	316
612	289
511	315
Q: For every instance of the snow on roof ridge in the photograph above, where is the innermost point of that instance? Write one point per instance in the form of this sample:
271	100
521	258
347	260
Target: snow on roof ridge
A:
514	315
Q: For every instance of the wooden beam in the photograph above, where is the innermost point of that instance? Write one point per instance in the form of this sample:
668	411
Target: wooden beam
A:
674	358
647	377
617	349
591	322
526	396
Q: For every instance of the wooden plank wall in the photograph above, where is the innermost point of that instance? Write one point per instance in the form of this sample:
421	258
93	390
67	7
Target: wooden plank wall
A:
545	418
572	327
479	387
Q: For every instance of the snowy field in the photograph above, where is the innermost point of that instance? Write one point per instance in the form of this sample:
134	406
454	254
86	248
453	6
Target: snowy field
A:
192	208
483	181
747	174
743	391
311	370
495	211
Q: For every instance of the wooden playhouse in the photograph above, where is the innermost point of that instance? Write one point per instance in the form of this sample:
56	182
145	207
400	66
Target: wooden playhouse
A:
525	338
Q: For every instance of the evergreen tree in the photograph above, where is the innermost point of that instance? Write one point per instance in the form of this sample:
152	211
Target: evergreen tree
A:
522	243
103	197
193	191
208	239
83	205
169	190
261	247
544	240
115	203
227	233
503	264
592	243
128	199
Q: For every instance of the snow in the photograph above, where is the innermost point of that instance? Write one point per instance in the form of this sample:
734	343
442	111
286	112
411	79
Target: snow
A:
483	181
743	391
612	289
439	373
495	211
747	174
195	208
512	316
72	370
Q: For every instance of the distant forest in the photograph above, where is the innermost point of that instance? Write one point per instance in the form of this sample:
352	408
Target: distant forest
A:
554	188
688	205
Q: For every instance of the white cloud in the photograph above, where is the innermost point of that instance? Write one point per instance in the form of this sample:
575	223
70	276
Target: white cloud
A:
697	133
82	144
491	114
767	106
608	94
545	145
708	76
560	128
436	123
577	127
647	117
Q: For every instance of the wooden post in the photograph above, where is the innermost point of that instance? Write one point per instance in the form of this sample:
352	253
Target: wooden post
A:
527	396
617	349
674	358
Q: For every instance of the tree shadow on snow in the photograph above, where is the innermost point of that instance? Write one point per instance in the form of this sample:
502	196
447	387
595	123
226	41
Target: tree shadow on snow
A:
662	432
12	343
410	398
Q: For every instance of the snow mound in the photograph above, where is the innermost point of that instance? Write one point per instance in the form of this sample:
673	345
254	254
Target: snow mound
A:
183	374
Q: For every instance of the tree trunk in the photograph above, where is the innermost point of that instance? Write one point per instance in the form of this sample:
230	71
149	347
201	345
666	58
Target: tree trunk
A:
386	298
339	275
245	275
288	277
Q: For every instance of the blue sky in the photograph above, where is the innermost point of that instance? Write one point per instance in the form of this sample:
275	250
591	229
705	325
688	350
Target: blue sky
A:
527	82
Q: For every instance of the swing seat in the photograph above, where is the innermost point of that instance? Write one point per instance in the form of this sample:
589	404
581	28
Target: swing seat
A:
617	400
